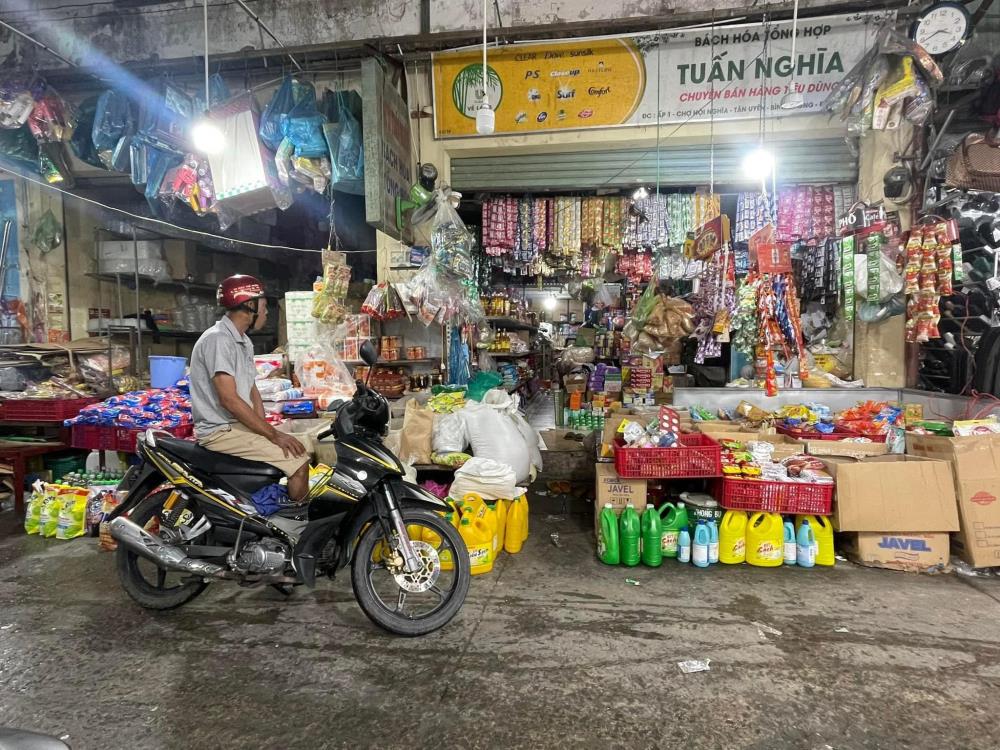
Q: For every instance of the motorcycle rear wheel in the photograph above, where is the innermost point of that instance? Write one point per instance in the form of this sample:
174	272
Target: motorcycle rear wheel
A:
131	567
368	560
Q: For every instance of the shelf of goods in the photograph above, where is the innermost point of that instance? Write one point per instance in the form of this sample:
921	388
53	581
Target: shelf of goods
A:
510	324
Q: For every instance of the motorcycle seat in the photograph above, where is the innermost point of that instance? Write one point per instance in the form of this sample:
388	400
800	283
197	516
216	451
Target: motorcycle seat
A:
216	462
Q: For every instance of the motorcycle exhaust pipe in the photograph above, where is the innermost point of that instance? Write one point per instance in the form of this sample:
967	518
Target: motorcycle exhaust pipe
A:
140	541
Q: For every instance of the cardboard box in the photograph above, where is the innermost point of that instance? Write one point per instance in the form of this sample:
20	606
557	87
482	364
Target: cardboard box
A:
893	493
844	448
976	464
611	488
575	382
912	552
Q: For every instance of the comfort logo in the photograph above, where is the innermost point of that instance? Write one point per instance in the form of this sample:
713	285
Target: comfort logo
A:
983	498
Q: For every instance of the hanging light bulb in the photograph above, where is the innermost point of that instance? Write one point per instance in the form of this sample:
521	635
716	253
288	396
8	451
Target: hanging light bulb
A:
207	137
486	119
758	164
549	303
640	193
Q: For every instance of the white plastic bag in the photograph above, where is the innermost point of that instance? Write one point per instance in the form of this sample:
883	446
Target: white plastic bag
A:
449	434
487	478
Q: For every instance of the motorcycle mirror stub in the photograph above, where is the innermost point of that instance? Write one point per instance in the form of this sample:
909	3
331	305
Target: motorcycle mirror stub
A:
368	354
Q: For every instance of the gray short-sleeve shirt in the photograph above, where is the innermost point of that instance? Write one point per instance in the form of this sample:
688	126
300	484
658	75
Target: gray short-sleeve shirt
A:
222	348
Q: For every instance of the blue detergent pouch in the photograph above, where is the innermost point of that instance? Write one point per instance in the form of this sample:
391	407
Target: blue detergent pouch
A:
298	408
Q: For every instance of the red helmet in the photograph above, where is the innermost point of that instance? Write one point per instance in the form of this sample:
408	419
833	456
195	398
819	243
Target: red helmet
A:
238	290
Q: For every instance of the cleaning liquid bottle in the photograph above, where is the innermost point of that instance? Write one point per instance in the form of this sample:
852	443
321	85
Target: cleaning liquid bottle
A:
479	539
500	513
713	542
629	534
524	523
513	539
765	540
791	549
699	549
607	537
676	519
823	530
651	526
806	546
733	537
432	538
684	546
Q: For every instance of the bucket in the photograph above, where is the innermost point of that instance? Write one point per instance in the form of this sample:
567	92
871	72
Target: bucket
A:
702	507
165	371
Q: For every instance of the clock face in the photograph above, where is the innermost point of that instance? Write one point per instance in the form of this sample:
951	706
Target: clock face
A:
942	28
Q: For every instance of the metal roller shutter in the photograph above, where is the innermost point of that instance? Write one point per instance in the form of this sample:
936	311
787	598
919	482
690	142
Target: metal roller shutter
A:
798	161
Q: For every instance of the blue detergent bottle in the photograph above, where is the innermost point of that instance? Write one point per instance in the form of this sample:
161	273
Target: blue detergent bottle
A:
791	551
806	546
684	546
713	542
699	548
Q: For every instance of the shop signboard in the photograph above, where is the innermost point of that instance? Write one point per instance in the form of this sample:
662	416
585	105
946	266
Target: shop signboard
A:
733	73
388	149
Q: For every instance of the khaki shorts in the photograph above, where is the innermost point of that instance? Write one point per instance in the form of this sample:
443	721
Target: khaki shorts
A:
238	441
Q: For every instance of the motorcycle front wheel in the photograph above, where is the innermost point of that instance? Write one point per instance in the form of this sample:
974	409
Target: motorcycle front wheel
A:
412	604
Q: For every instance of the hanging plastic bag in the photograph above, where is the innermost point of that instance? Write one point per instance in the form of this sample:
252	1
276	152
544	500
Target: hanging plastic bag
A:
17	99
52	119
303	126
165	116
113	121
270	122
323	375
48	233
19	149
81	143
160	162
451	241
346	147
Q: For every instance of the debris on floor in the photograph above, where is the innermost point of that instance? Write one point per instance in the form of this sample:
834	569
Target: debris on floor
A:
694	665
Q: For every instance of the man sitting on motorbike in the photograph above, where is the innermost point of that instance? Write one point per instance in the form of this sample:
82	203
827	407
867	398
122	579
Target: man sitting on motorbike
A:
228	410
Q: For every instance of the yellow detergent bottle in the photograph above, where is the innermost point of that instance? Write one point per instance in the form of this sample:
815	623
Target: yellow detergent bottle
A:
823	530
479	539
524	502
765	540
514	533
733	537
499	512
471	504
434	540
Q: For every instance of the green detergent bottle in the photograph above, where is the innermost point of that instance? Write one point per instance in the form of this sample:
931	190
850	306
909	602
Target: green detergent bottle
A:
629	535
676	519
651	526
607	536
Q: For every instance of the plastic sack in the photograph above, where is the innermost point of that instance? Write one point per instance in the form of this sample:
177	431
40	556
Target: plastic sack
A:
346	147
486	477
303	125
72	514
270	122
576	355
494	435
449	434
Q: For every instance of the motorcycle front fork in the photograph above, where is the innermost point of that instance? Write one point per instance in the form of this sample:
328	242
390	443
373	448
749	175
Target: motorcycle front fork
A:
411	560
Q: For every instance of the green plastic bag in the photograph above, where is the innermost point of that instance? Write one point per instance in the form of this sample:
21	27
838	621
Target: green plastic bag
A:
482	382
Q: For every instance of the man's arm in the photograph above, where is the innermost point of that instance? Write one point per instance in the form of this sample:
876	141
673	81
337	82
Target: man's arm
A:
258	402
248	416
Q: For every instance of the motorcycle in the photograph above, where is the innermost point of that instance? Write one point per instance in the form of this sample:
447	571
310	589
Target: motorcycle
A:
188	520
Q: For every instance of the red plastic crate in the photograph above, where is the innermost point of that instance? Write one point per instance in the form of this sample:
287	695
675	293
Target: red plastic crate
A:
697	456
776	497
126	437
43	409
93	437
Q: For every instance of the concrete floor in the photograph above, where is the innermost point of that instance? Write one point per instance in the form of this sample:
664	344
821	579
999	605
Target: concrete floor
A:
551	650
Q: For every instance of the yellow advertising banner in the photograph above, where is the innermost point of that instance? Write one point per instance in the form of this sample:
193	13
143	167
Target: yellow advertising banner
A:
540	87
